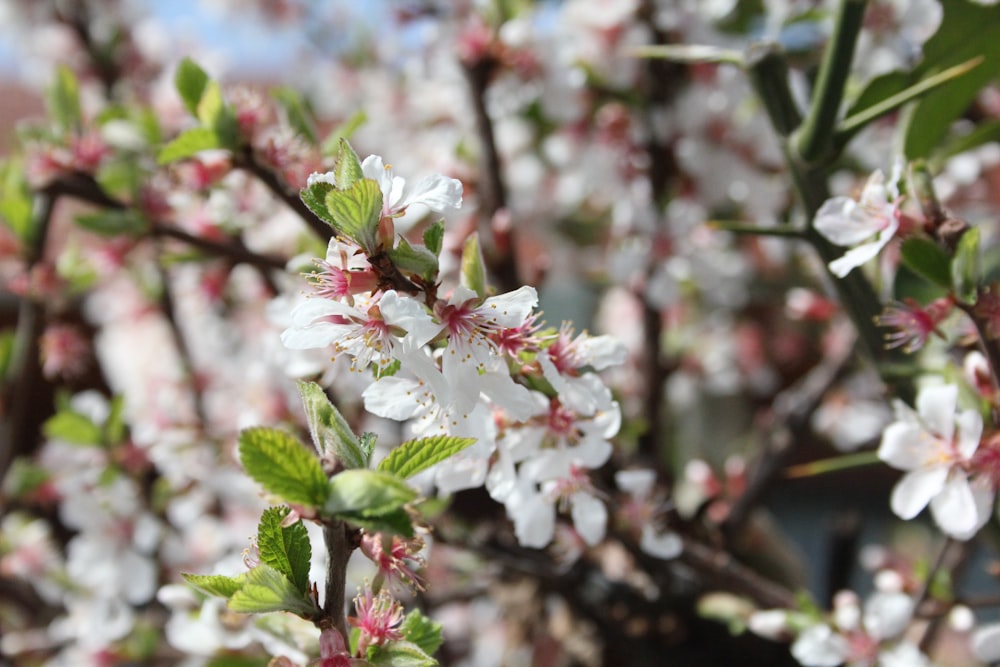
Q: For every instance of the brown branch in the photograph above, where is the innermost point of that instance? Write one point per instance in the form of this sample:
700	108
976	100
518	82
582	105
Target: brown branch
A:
339	549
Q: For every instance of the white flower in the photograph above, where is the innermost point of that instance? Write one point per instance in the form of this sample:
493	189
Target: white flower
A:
926	445
874	219
436	192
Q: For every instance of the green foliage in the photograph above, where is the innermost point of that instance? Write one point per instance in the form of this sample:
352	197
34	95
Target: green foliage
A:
434	237
114	222
73	427
400	654
62	100
285	548
114	426
343	132
191	81
367	493
927	259
473	266
329	430
965	271
356	212
415	259
215	114
15	200
215	584
314	196
422	631
414	456
265	589
297	113
347	167
188	143
283	466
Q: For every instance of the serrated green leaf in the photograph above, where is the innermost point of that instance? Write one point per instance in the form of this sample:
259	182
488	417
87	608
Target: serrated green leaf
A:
397	522
16	201
285	548
72	427
367	444
188	143
434	237
414	456
422	631
343	132
110	222
356	212
283	466
965	271
473	266
928	259
400	654
329	430
347	166
314	197
369	491
265	589
190	81
415	259
63	100
296	113
215	584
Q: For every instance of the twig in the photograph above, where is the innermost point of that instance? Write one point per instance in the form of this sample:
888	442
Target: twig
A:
339	551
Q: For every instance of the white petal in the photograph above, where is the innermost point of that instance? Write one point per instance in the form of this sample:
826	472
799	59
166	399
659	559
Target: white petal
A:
534	521
985	642
461	472
511	308
316	336
436	192
887	614
516	399
905	445
819	646
394	398
854	258
915	490
660	545
372	167
936	407
311	310
955	509
638	483
602	351
970	430
590	517
843	222
903	654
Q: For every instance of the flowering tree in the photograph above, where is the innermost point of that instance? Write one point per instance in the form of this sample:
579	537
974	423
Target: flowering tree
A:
250	368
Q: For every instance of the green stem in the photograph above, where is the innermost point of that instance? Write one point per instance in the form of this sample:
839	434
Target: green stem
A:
835	464
814	139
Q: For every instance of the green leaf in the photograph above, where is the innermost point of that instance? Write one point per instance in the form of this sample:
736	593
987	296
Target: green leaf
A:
367	491
297	114
986	133
965	271
356	212
329	430
434	237
285	548
265	589
114	426
400	654
188	143
367	444
190	81
347	167
473	266
111	222
414	456
63	100
314	196
73	427
16	201
397	522
343	132
422	631
415	259
215	114
215	584
928	259
283	466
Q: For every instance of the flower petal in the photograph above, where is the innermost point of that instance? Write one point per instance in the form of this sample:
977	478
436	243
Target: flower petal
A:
590	517
915	490
936	407
904	445
955	508
843	222
436	192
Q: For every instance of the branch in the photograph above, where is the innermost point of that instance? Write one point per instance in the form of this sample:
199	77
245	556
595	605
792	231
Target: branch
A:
339	551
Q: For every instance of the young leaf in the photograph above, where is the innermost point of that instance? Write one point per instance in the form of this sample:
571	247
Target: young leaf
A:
367	444
422	631
473	266
190	81
297	113
265	589
110	222
314	197
215	114
330	431
965	267
347	167
16	201
928	259
400	654
368	491
285	548
114	427
282	465
215	584
397	522
63	100
414	259
356	212
414	456
72	427
188	143
434	237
